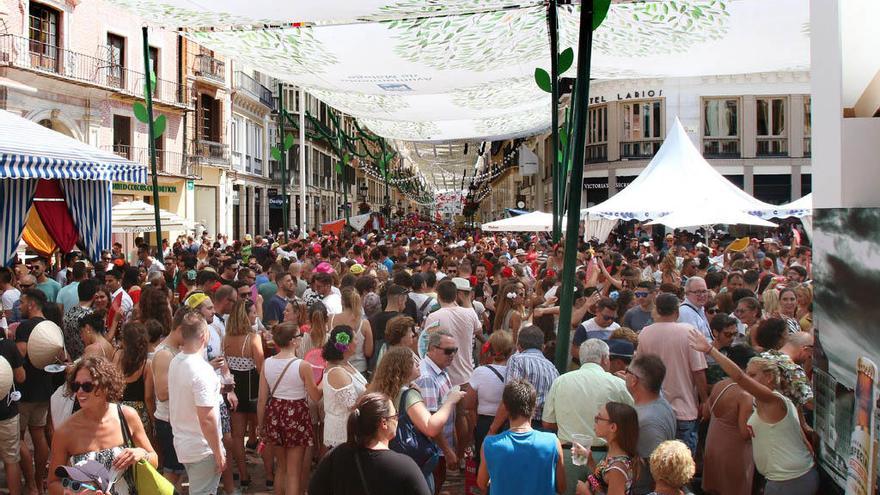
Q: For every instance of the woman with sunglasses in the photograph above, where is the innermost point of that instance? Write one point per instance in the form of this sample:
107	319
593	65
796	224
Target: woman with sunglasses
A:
342	384
283	412
618	425
95	432
365	463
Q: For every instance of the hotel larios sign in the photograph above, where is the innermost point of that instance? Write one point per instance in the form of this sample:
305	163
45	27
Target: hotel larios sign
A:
632	95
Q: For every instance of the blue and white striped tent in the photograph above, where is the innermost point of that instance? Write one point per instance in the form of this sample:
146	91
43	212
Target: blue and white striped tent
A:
29	152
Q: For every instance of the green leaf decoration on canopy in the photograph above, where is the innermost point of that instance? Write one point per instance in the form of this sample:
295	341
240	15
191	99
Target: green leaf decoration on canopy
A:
159	125
288	141
600	11
565	60
542	79
140	112
276	154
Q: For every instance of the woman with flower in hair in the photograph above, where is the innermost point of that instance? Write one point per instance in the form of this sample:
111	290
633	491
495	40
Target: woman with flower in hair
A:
282	411
510	309
342	384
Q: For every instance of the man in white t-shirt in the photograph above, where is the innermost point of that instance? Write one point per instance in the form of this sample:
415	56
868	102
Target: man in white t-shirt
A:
194	410
9	298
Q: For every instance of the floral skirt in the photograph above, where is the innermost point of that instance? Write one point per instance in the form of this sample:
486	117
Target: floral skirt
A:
141	409
288	423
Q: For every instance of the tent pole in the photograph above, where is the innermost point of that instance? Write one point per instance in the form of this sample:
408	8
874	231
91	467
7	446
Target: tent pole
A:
556	167
302	163
581	96
148	96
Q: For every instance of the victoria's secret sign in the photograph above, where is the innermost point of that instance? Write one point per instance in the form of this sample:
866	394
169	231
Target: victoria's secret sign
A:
633	95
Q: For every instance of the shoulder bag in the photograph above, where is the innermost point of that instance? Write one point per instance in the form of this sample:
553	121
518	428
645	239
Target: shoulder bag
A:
147	481
412	442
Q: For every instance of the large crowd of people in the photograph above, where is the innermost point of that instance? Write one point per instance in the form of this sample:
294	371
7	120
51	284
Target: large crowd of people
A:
380	362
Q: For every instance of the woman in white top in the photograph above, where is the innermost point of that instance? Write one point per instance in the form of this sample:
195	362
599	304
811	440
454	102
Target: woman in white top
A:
342	385
353	316
282	410
779	446
487	385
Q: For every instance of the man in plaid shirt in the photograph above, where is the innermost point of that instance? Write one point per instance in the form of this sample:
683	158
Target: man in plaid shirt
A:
434	384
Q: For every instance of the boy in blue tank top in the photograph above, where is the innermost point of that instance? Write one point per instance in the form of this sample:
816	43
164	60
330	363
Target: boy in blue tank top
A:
521	460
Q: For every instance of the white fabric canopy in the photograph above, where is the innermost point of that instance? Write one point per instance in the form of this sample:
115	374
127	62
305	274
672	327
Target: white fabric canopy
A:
598	228
798	208
536	221
711	215
135	217
429	70
678	179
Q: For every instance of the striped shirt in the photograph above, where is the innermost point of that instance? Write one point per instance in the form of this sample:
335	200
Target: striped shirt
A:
434	385
532	366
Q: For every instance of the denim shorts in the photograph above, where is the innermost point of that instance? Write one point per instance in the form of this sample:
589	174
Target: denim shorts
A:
165	438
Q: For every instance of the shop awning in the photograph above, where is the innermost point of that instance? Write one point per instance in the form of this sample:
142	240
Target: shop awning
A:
136	217
31	151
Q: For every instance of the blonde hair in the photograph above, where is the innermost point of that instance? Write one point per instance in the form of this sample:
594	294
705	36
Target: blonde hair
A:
671	462
393	371
501	344
239	323
770	300
768	366
628	334
351	300
804	290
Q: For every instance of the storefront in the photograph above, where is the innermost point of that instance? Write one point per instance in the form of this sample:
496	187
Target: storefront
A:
172	198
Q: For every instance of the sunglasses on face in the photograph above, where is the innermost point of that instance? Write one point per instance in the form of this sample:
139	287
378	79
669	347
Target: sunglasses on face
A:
641	294
87	387
730	334
26	286
712	311
448	350
76	486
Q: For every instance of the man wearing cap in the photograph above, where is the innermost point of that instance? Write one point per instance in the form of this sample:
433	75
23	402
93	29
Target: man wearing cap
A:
194	410
35	390
621	353
10	431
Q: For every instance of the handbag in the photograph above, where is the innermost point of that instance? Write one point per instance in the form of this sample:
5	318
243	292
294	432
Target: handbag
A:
147	481
412	442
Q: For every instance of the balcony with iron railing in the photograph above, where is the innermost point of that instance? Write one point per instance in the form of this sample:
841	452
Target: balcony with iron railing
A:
32	55
169	162
252	88
597	153
210	68
716	147
210	152
639	149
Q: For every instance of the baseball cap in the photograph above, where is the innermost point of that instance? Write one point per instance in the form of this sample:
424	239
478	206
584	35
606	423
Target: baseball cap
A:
520	252
89	472
620	348
462	284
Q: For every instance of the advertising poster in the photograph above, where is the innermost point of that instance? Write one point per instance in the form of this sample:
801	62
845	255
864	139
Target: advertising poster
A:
846	273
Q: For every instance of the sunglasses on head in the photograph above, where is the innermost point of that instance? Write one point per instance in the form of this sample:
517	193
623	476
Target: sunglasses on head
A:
76	486
87	387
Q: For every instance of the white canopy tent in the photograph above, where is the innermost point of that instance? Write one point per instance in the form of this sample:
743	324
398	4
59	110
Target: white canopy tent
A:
536	221
798	208
136	217
678	179
710	216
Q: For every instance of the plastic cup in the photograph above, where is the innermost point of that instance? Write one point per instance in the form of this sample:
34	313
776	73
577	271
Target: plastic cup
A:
585	441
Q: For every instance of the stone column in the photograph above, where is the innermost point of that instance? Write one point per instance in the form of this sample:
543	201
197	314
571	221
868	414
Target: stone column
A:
251	210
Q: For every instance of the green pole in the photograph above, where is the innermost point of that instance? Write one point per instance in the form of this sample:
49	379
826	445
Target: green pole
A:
285	221
151	132
557	168
581	96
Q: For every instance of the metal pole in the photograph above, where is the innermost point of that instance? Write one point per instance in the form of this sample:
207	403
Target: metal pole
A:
556	167
302	163
148	96
581	96
285	220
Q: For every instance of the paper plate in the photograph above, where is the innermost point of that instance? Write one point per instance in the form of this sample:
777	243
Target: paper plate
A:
739	244
5	378
45	344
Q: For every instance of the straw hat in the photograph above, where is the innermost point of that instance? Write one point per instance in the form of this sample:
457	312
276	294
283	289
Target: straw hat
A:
739	244
5	377
45	344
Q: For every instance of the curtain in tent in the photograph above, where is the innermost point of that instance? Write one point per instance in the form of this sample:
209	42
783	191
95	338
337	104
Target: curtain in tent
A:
36	236
16	197
598	227
49	203
90	204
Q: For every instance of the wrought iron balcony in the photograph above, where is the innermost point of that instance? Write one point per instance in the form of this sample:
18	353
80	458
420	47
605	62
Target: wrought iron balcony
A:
210	68
721	147
36	56
210	152
169	162
254	89
639	149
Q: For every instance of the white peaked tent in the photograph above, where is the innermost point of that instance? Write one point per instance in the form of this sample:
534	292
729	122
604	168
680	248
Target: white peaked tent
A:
536	221
798	208
136	217
710	216
678	179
